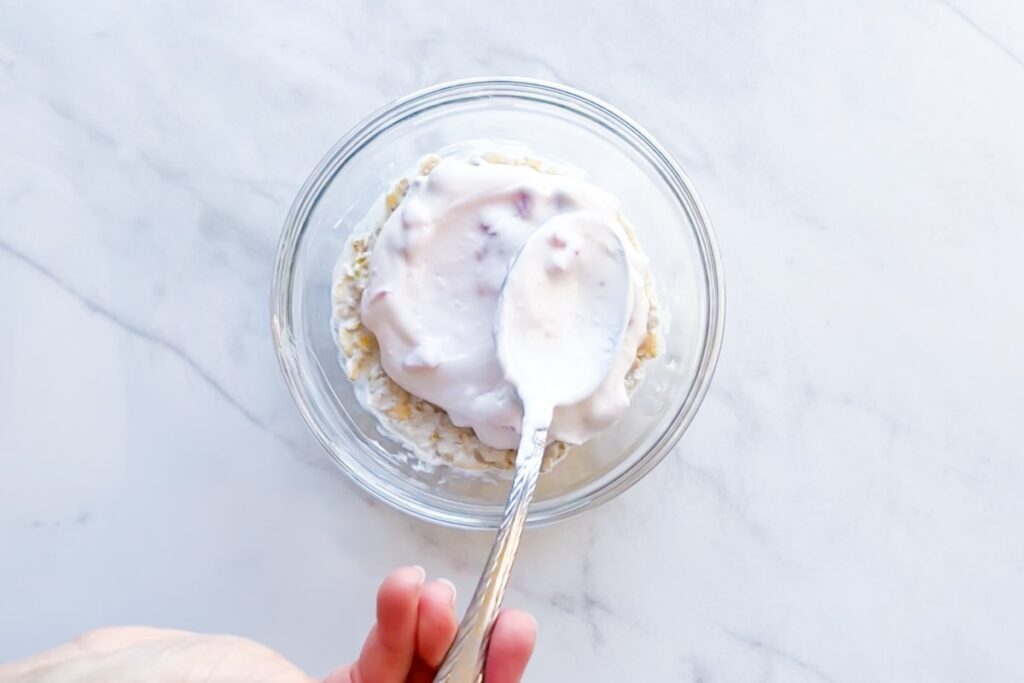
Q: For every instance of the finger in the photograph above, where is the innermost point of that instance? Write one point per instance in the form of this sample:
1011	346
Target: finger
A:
435	630
436	625
512	641
389	649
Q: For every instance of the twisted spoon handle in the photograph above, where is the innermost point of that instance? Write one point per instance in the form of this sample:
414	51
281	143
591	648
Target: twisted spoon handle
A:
464	662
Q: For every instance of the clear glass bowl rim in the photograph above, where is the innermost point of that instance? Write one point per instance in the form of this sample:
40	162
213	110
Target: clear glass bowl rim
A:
464	90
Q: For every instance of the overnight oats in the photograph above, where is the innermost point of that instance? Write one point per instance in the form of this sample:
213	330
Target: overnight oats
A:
415	300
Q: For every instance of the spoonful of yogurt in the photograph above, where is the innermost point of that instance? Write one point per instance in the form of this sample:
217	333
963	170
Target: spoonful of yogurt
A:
563	311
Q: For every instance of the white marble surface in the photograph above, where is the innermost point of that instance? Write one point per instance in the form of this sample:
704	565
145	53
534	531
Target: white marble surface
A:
848	505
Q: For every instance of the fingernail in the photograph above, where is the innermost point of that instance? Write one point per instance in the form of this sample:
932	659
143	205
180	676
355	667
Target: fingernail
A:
534	620
451	587
421	573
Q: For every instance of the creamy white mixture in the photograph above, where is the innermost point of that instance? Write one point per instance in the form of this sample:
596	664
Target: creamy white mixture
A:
562	315
436	273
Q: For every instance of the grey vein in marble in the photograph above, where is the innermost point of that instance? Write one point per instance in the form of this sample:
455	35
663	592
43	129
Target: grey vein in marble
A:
140	333
773	652
981	31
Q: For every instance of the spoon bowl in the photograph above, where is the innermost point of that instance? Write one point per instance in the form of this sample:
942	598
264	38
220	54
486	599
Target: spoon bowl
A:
563	310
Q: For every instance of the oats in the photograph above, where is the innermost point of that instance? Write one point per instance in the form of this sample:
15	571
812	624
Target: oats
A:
400	412
428	163
366	342
396	195
627	227
649	348
347	340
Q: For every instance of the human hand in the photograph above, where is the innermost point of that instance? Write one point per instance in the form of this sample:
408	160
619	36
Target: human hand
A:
415	627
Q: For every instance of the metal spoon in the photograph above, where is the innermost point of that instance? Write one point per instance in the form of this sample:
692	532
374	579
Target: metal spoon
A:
563	311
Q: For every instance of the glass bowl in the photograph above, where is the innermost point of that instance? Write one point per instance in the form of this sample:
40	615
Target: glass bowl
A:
556	123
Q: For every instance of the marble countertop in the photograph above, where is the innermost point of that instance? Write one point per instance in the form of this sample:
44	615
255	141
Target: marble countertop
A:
848	504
